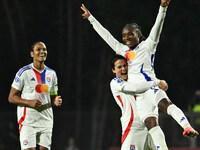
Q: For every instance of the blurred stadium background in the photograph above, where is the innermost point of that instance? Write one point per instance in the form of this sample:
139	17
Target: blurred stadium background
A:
82	62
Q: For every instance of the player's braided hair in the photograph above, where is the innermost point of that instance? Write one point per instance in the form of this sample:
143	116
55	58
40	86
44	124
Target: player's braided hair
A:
137	29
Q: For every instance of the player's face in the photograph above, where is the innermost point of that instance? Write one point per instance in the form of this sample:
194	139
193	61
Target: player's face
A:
129	37
39	52
121	69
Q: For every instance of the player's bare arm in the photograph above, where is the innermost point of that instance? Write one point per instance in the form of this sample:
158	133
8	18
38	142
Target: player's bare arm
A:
163	85
86	13
165	3
14	98
56	100
35	103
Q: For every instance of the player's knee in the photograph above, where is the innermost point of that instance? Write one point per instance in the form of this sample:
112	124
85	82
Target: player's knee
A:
151	122
163	104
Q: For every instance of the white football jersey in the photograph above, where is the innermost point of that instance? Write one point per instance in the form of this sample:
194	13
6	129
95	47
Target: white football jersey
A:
123	92
26	80
140	59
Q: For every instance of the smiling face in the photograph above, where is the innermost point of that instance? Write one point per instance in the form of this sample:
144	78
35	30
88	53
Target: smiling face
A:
121	69
39	52
130	37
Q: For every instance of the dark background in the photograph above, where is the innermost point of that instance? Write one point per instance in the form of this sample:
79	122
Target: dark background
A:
82	59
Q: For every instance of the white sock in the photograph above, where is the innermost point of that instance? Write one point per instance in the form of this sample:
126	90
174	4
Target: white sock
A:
158	138
178	115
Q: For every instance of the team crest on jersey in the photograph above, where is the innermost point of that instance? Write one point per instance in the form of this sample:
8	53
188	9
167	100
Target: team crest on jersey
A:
132	147
17	79
25	142
48	79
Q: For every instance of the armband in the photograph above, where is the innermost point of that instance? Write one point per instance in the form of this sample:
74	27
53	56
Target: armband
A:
53	93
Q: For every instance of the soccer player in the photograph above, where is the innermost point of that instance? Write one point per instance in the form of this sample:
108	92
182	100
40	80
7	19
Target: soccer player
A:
34	90
140	53
134	133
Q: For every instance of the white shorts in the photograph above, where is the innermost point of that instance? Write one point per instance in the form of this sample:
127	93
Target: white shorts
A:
30	136
138	139
147	103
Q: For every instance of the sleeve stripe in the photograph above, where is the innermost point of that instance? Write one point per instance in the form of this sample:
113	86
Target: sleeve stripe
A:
23	69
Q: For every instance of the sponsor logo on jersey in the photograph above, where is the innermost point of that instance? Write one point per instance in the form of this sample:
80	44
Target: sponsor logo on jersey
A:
130	55
33	79
132	147
41	88
17	79
48	79
25	142
183	118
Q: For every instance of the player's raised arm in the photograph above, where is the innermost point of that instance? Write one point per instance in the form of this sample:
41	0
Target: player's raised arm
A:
104	33
86	13
154	35
165	3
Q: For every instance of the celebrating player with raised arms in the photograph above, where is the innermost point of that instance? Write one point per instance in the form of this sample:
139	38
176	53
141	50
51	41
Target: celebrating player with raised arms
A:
34	90
134	133
140	53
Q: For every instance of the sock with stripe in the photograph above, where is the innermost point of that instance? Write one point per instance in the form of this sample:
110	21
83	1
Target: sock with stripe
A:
178	115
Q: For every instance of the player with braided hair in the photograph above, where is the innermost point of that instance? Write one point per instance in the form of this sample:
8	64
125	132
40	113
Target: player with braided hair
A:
137	29
140	54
